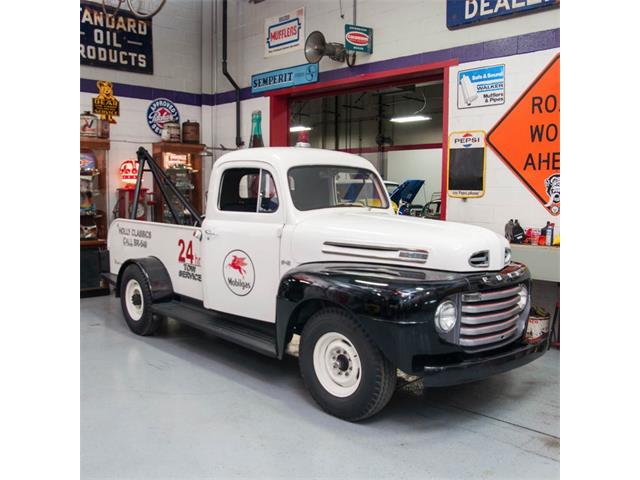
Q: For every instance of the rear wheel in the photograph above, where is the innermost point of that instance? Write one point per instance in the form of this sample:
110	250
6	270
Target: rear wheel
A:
135	299
344	370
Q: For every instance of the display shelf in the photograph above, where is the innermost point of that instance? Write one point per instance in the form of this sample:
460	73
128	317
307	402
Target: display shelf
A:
185	173
93	243
543	261
95	143
93	221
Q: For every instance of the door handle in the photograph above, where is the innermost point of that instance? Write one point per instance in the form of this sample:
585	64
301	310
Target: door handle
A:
210	233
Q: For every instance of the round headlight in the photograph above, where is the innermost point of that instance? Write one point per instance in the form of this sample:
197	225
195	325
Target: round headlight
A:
446	316
507	256
524	297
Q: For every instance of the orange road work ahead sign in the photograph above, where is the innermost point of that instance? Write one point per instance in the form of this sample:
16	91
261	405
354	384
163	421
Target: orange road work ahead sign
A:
527	137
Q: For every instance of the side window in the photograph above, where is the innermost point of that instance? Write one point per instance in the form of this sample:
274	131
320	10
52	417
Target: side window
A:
239	190
248	190
268	194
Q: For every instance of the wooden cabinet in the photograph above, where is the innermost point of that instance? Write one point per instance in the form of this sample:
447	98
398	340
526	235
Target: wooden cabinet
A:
182	162
93	213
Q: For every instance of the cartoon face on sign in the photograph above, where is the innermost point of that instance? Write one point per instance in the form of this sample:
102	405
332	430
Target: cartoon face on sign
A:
238	272
552	185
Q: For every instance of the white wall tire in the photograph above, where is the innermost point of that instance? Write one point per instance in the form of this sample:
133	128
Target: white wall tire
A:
135	299
337	364
333	344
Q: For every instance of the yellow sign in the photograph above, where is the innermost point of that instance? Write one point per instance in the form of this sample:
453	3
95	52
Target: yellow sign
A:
105	104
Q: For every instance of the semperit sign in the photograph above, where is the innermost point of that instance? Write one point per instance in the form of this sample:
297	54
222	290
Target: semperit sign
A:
527	137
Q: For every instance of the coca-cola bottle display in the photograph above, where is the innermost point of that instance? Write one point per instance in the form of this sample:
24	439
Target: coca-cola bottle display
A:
256	130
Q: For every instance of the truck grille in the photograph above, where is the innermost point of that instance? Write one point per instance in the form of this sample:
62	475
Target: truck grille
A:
490	319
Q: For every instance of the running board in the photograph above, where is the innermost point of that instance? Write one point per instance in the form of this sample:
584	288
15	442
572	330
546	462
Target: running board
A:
216	324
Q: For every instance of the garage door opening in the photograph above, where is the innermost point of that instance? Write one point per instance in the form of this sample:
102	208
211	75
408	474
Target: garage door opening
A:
397	119
398	129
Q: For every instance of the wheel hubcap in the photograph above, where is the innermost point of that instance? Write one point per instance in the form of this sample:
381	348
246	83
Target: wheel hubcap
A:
337	364
134	300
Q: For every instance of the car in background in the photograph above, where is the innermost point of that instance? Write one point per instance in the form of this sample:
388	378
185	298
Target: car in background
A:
390	186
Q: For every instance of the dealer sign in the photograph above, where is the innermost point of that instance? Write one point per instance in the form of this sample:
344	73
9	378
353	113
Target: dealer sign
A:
464	13
120	42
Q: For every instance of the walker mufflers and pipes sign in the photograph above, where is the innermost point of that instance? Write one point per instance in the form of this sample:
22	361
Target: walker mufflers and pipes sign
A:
464	13
527	137
119	42
481	87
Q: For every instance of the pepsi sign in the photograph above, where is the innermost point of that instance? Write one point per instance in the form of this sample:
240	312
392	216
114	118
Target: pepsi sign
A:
466	164
358	39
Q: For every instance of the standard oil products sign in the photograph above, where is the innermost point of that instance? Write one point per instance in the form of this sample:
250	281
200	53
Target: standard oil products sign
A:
285	33
120	42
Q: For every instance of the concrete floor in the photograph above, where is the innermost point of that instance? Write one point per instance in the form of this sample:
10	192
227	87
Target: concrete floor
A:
185	405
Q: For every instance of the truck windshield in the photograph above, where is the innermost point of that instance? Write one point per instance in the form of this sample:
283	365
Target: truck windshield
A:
326	186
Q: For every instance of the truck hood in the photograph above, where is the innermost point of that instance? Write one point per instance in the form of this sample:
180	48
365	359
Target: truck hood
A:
360	235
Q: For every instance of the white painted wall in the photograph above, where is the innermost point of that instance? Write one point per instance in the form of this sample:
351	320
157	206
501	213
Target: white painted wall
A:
177	41
130	133
417	164
188	51
401	27
506	196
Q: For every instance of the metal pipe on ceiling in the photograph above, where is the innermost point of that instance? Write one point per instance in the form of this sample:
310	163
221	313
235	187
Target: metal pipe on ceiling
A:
226	73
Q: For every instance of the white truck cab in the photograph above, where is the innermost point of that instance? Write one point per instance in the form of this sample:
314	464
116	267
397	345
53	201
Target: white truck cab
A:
305	242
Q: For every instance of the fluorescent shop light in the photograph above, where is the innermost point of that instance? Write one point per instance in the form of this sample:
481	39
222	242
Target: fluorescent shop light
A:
299	128
410	118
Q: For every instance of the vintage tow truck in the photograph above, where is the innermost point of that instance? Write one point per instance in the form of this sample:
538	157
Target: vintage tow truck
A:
283	251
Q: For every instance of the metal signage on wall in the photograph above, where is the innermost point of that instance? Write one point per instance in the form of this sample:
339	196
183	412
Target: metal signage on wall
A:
284	77
159	112
466	164
284	33
106	104
527	137
358	39
481	87
464	13
120	42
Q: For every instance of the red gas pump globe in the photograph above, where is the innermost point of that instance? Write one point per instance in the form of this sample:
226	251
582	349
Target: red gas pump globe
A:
129	172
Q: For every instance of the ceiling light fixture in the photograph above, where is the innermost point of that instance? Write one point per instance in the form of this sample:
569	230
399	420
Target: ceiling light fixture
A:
299	128
410	118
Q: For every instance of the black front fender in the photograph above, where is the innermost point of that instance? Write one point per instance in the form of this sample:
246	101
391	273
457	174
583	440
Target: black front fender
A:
395	305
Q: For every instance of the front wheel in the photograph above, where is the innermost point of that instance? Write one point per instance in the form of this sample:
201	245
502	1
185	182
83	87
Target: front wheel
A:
344	370
135	299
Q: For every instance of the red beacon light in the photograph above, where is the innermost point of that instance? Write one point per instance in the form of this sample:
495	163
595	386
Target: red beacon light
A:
303	139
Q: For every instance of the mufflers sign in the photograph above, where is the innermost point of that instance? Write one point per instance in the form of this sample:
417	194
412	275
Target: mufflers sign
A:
119	42
284	33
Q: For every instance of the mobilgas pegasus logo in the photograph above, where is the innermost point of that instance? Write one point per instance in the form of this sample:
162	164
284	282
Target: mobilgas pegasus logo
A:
238	272
161	111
